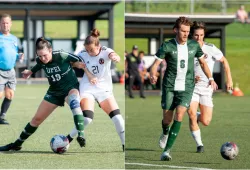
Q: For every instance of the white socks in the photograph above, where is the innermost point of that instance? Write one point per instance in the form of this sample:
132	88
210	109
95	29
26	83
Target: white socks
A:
74	131
119	125
197	137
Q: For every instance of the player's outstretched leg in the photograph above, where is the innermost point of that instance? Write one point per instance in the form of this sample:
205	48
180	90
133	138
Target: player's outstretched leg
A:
16	146
74	103
118	121
164	136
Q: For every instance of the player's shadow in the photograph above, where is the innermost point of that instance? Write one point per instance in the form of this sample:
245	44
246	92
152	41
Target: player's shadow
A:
31	152
50	152
201	163
139	149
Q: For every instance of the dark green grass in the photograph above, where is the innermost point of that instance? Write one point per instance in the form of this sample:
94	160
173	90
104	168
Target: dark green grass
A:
103	143
230	123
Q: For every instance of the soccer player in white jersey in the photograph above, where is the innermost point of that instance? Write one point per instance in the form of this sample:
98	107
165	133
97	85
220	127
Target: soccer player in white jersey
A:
202	96
98	59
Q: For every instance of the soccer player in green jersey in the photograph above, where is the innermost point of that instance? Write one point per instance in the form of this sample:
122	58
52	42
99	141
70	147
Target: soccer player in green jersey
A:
178	81
63	87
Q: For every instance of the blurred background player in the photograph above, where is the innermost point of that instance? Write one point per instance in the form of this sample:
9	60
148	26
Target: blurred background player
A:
8	57
63	87
202	96
98	60
132	62
178	81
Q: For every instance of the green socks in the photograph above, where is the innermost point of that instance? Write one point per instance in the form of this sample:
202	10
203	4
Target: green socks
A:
174	130
79	123
28	131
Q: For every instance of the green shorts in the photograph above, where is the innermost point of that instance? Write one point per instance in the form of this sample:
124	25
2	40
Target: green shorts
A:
58	99
171	99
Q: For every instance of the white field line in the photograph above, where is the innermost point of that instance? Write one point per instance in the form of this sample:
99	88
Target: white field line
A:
167	166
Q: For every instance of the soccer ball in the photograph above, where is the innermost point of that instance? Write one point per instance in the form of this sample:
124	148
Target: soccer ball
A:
59	144
229	150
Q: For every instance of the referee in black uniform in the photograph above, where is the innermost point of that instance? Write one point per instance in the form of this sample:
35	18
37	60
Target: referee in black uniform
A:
132	62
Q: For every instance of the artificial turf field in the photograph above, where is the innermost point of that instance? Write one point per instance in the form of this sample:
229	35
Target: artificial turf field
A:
103	148
230	123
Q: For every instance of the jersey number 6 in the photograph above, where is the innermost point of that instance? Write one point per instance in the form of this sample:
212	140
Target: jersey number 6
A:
182	63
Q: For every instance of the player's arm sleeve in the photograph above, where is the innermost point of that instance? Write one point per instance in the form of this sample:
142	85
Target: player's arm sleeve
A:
199	53
108	52
161	53
216	53
37	67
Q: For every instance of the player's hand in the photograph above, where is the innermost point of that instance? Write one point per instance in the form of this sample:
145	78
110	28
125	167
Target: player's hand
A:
26	73
79	65
213	84
93	80
197	78
229	85
153	79
114	57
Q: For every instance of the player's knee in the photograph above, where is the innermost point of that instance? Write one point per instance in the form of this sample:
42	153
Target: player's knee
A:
114	113
205	122
9	95
74	101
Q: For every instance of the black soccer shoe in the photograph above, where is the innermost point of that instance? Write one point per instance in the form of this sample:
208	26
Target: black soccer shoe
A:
69	138
81	141
200	149
123	148
3	122
10	147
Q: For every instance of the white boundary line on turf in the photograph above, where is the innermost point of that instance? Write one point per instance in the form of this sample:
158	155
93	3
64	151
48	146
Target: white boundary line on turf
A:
168	166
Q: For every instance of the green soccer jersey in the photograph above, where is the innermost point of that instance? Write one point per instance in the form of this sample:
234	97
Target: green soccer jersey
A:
179	74
59	72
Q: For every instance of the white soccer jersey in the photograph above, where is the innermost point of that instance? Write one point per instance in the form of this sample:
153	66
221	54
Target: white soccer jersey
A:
100	67
212	54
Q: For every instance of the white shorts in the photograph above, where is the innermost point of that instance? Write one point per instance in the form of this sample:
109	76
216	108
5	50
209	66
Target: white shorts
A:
203	95
100	96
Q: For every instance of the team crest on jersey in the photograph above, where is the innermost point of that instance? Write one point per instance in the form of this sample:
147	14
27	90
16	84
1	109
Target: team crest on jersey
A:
101	61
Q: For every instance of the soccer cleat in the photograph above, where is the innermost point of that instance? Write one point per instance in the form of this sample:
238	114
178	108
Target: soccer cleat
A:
81	141
3	122
10	147
123	148
69	138
163	141
200	149
165	156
